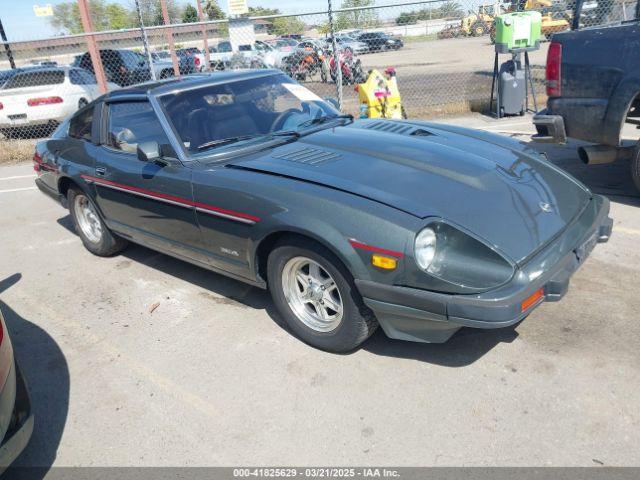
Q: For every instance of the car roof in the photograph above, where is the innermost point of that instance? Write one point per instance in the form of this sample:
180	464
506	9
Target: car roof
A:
190	81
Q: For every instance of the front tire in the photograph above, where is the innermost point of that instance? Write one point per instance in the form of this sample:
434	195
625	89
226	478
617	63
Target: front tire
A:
91	229
316	296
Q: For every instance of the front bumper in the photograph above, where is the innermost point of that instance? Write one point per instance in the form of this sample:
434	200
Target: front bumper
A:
19	433
550	128
424	316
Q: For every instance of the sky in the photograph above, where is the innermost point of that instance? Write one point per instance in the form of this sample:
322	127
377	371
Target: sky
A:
20	23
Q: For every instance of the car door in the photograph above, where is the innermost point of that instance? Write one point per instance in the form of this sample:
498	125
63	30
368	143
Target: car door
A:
149	201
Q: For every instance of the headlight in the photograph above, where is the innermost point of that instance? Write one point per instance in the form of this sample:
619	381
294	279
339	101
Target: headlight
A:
456	257
425	248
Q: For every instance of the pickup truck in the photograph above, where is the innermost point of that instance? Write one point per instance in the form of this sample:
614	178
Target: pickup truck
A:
593	83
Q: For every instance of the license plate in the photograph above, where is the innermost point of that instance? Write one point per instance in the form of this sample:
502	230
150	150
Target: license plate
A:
18	119
585	249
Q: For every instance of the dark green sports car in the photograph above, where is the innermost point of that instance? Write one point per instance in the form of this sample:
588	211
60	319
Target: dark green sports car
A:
418	227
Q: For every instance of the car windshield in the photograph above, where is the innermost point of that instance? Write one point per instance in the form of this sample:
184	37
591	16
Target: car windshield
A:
255	109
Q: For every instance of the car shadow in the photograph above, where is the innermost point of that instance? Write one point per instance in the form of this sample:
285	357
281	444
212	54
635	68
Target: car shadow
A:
46	374
465	347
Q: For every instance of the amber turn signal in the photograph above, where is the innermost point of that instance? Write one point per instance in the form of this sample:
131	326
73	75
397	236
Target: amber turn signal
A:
532	300
383	262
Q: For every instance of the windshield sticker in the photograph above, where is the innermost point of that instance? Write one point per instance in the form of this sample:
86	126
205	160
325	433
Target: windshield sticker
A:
302	93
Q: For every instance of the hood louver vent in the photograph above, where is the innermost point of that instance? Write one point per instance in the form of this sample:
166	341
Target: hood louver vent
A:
308	156
390	127
398	128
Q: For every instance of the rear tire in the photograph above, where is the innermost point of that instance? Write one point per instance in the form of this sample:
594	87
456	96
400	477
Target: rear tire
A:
301	305
91	229
635	167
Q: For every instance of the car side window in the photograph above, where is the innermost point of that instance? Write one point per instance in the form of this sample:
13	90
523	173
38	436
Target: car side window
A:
80	77
35	79
80	125
224	47
131	123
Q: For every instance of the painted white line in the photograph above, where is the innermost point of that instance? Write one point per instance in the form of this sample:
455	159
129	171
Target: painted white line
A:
17	177
18	189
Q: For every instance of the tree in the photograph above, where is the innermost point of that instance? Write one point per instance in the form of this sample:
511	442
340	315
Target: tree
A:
360	18
450	9
261	12
407	18
119	17
213	11
286	25
189	14
104	16
151	11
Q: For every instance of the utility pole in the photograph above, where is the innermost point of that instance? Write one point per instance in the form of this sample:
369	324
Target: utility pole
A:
336	57
7	47
205	40
145	41
169	34
96	61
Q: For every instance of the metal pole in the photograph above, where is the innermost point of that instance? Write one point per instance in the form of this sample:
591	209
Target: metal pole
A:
336	56
7	47
169	33
205	40
145	41
94	53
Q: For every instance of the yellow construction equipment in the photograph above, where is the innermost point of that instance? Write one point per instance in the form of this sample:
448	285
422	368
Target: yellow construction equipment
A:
481	22
379	96
554	19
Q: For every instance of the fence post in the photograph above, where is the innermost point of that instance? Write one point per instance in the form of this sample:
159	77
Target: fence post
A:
336	57
7	47
145	41
205	40
169	34
94	53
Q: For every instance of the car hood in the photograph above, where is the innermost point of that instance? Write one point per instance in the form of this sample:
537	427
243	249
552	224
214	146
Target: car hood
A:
486	184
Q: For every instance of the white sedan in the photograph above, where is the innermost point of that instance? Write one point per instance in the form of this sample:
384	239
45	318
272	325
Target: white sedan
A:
45	96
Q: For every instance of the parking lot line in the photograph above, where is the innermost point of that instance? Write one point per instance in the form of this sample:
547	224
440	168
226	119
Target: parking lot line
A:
16	177
18	189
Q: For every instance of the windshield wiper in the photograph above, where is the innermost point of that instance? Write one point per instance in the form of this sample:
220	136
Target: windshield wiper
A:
325	119
240	138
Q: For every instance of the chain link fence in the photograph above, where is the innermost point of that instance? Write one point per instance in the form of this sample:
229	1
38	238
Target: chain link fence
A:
442	52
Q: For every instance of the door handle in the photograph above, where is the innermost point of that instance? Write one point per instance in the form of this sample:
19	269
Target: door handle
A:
101	171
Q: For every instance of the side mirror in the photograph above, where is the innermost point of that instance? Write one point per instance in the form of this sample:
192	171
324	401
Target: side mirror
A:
148	151
333	102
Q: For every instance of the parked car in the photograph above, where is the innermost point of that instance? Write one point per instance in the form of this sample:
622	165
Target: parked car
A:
377	41
122	67
593	87
421	228
222	56
16	418
163	64
199	61
346	42
45	96
291	36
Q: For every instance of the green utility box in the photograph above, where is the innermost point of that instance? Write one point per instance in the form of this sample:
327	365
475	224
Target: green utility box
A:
518	30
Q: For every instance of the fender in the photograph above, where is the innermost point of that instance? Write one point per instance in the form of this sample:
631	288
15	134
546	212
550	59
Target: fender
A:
326	235
619	104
